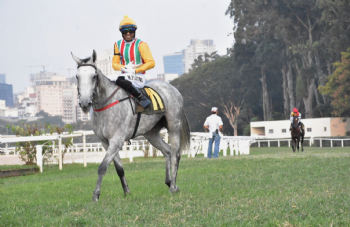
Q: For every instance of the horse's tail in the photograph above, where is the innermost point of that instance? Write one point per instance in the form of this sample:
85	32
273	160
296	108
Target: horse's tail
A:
185	136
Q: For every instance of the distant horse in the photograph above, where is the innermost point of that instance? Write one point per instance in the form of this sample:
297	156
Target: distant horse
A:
297	135
117	122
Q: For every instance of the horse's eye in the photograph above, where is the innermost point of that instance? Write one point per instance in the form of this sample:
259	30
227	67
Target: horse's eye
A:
76	76
94	77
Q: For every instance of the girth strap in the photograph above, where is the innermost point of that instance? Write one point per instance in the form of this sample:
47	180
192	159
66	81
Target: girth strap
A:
137	124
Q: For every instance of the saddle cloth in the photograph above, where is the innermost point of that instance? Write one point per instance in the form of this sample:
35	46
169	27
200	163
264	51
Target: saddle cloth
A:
157	104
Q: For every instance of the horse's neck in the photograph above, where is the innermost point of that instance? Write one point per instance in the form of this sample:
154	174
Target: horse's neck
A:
106	88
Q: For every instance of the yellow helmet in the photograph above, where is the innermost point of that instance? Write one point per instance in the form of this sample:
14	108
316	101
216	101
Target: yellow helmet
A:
127	22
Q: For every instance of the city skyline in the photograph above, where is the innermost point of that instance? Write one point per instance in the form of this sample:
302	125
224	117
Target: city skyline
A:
42	33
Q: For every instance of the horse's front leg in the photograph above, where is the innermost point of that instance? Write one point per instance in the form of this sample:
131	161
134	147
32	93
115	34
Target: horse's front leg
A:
298	141
120	171
302	143
111	152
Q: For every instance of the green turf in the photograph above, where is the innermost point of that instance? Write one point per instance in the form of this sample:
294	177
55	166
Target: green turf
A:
271	187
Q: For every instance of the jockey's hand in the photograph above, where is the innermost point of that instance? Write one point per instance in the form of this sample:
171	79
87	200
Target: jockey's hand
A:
128	70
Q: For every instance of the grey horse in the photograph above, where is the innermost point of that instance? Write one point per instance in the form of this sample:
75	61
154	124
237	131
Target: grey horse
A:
115	125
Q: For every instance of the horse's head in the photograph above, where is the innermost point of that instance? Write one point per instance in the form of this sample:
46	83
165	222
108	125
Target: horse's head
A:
87	78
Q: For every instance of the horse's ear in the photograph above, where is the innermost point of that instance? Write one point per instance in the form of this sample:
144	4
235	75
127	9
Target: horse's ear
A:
94	56
79	61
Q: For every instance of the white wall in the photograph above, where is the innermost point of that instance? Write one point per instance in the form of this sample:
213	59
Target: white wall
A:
316	125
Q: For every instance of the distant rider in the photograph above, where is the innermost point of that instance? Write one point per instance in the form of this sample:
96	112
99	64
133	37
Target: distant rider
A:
131	50
292	115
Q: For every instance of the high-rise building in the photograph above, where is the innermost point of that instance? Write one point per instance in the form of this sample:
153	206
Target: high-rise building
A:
173	63
181	62
2	78
104	62
6	93
56	96
197	47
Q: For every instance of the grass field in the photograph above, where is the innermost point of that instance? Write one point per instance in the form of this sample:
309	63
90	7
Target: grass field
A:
271	187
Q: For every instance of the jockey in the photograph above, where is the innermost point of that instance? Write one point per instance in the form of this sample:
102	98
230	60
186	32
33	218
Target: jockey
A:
293	114
128	51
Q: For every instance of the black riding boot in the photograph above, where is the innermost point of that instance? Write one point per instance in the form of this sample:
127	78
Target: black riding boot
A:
127	85
144	102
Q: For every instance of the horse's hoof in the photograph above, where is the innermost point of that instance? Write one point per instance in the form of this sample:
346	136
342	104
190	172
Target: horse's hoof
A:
126	193
95	197
174	190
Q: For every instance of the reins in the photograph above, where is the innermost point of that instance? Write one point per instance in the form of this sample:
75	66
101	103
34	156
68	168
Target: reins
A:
105	102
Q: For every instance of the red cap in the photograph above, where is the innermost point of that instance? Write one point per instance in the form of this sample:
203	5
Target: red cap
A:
295	110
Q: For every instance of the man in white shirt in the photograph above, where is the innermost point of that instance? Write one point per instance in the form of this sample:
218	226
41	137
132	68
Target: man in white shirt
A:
213	123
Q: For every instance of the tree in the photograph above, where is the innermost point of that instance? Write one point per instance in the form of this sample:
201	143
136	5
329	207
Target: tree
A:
46	118
338	86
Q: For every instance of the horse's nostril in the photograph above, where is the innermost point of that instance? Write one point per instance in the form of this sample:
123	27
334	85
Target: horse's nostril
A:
90	103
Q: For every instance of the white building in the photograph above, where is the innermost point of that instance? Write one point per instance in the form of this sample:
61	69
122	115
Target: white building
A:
2	104
314	127
7	111
56	96
167	77
197	47
104	63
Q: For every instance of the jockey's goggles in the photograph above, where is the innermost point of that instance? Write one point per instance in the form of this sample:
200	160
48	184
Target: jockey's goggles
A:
126	30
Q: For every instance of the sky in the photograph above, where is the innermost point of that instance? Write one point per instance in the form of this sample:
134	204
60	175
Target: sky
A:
36	33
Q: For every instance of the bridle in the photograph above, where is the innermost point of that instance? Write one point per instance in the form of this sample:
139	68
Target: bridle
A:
95	91
96	75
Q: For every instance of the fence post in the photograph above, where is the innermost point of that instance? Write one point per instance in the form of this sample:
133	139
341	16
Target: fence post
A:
6	151
225	148
288	143
60	152
166	137
311	140
268	143
39	157
258	143
278	143
205	147
130	151
320	142
84	149
103	150
53	147
342	143
150	149
331	143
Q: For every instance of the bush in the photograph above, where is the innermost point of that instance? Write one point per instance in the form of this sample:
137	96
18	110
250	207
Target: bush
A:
27	150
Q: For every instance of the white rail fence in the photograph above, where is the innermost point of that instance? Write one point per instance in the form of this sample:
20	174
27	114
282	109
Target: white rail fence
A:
317	142
94	152
199	145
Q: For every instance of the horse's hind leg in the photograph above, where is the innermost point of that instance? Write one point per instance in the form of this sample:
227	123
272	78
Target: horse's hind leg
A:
155	139
175	158
120	171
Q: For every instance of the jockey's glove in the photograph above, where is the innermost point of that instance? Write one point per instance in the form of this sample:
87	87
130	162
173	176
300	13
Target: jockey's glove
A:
128	70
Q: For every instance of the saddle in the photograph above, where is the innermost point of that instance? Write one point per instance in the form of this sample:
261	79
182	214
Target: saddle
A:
157	104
